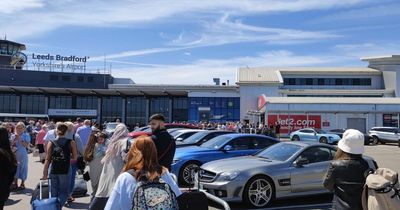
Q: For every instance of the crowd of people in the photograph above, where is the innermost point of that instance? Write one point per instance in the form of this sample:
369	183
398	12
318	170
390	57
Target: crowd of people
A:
120	169
114	165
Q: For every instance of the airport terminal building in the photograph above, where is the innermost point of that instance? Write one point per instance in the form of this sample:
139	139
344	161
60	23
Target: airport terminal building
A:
62	87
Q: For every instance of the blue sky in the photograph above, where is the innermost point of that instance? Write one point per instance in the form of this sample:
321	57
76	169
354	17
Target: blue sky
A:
190	42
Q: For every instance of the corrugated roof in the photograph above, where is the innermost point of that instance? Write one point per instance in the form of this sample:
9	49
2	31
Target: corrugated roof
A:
313	70
331	100
274	74
258	75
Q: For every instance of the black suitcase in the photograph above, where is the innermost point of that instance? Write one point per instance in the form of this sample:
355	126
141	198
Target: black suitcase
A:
36	191
193	200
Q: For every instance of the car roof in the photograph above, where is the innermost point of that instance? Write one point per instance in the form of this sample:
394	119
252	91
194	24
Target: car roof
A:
385	127
186	130
218	131
307	143
233	135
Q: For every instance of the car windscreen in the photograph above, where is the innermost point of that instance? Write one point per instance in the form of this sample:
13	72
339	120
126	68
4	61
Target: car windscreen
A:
217	142
193	139
320	131
280	151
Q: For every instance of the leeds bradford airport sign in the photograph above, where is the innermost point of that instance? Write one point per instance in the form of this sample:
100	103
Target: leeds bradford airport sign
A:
72	62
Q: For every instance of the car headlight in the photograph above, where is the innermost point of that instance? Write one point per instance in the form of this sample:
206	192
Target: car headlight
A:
230	175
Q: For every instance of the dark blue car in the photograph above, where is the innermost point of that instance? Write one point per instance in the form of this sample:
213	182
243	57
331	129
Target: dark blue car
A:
188	159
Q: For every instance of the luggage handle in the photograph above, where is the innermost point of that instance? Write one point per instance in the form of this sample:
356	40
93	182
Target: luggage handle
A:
40	188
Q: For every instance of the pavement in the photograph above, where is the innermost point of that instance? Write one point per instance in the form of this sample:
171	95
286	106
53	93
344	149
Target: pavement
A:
385	155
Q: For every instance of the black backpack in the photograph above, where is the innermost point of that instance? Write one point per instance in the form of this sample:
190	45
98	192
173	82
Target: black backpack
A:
58	153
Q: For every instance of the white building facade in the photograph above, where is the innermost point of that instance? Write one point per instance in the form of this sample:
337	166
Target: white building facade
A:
326	98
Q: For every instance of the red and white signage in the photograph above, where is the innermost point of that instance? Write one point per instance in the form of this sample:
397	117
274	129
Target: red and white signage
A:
294	122
262	100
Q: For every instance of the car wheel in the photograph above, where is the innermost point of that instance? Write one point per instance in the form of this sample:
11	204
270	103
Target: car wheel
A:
295	138
259	192
186	175
375	140
323	140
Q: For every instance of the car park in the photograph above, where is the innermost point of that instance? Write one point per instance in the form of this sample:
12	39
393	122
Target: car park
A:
146	130
340	131
189	159
283	170
183	134
312	134
384	135
200	137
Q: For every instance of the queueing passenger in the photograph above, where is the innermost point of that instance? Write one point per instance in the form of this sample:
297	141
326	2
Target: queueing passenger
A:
113	162
94	153
20	140
59	153
141	164
346	173
8	161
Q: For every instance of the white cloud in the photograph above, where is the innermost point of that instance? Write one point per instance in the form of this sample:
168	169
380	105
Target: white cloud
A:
13	6
55	14
132	53
202	71
357	51
225	31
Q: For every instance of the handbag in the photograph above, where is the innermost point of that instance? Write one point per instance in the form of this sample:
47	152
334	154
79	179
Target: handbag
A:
86	176
80	164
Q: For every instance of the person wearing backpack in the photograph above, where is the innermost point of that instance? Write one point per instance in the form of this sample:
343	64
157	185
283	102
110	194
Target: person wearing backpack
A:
59	154
346	173
144	183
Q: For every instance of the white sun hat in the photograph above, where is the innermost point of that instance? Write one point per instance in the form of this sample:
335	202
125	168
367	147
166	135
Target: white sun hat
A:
352	142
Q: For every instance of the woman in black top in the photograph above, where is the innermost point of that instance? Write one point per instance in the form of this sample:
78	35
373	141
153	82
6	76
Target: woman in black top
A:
59	153
8	161
347	172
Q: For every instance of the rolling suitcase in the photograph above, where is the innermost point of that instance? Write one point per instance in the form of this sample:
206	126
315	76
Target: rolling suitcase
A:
43	203
36	192
80	188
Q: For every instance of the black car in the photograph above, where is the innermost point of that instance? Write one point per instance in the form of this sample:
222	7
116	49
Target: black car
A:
200	137
340	131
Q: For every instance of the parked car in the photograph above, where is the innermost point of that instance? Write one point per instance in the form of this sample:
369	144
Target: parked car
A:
201	137
312	134
189	159
286	169
183	134
146	130
384	135
340	131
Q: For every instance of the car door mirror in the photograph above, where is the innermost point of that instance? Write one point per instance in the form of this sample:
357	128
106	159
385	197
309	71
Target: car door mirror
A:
301	162
227	148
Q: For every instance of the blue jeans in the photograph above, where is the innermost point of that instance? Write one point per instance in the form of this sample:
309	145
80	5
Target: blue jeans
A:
72	178
59	187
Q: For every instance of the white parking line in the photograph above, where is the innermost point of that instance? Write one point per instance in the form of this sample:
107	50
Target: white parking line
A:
300	206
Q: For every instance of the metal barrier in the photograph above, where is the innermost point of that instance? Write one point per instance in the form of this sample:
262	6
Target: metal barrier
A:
209	196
